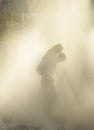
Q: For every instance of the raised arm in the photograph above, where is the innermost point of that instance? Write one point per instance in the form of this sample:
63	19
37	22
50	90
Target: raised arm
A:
51	57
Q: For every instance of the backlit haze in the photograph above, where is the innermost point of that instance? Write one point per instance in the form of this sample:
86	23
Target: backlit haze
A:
69	22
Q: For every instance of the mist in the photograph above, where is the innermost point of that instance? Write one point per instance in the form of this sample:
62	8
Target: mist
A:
54	21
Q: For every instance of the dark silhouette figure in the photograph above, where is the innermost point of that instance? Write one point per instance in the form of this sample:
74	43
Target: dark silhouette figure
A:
46	69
